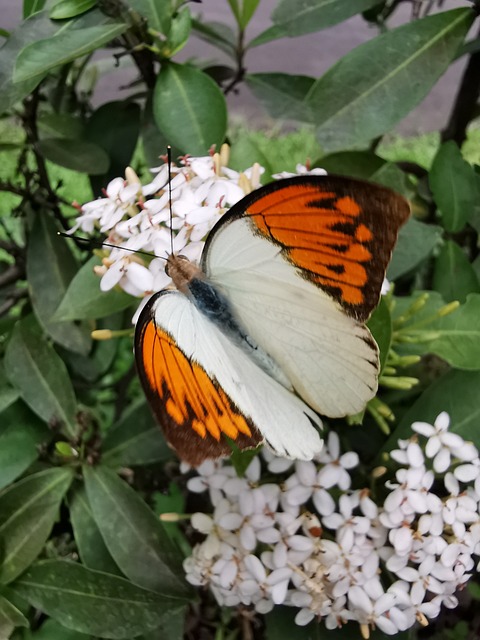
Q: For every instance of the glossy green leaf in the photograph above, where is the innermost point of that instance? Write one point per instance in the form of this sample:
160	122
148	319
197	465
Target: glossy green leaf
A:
374	86
283	95
70	8
37	27
454	187
380	324
158	13
187	95
78	155
50	267
456	335
84	299
453	275
93	602
135	440
32	6
21	435
456	392
35	369
133	535
114	127
28	510
67	45
10	617
91	547
179	33
415	244
356	164
296	17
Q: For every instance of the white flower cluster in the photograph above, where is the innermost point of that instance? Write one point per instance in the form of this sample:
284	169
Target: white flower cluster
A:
385	561
137	217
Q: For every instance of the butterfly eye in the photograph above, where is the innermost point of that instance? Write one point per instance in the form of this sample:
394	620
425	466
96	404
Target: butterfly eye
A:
173	265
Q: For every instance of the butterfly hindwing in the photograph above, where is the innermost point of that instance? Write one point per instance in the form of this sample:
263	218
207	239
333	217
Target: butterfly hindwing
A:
202	387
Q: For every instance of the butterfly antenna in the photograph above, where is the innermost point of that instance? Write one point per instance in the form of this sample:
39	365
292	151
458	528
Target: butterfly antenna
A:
100	244
169	161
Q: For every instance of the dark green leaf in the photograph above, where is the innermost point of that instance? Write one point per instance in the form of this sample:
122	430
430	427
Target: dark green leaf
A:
70	8
454	187
91	547
114	127
21	434
85	300
416	242
158	13
357	164
32	6
51	630
380	324
133	535
50	268
8	395
43	55
173	627
52	125
78	155
135	440
392	176
283	95
187	95
38	26
455	392
280	625
154	142
453	275
10	617
371	88
28	510
39	374
245	152
457	335
93	602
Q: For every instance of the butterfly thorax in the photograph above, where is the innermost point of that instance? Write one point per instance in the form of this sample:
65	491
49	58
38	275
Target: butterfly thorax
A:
190	280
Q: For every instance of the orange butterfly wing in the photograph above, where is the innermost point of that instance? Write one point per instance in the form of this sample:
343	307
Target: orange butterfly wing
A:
339	232
194	412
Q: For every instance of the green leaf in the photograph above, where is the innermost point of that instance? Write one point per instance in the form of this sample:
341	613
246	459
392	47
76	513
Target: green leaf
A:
114	127
70	8
133	535
457	335
283	95
217	34
66	125
91	547
453	275
50	267
41	377
158	13
380	324
51	630
248	9
21	435
454	187
173	627
374	86
187	95
135	440
357	164
415	243
245	152
78	155
37	27
179	33
235	8
392	176
10	617
68	44
28	510
84	299
280	625
93	602
8	395
32	6
456	392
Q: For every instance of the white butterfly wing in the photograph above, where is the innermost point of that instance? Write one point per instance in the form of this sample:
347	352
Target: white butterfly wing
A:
203	386
329	357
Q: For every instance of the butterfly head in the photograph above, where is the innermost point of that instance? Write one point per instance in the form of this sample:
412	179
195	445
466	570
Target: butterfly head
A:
182	271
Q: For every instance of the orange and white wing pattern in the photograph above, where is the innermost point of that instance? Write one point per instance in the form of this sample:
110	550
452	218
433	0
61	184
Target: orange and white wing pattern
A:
205	390
339	232
302	262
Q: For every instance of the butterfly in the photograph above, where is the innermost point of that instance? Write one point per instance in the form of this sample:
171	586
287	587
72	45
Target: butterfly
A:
268	332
